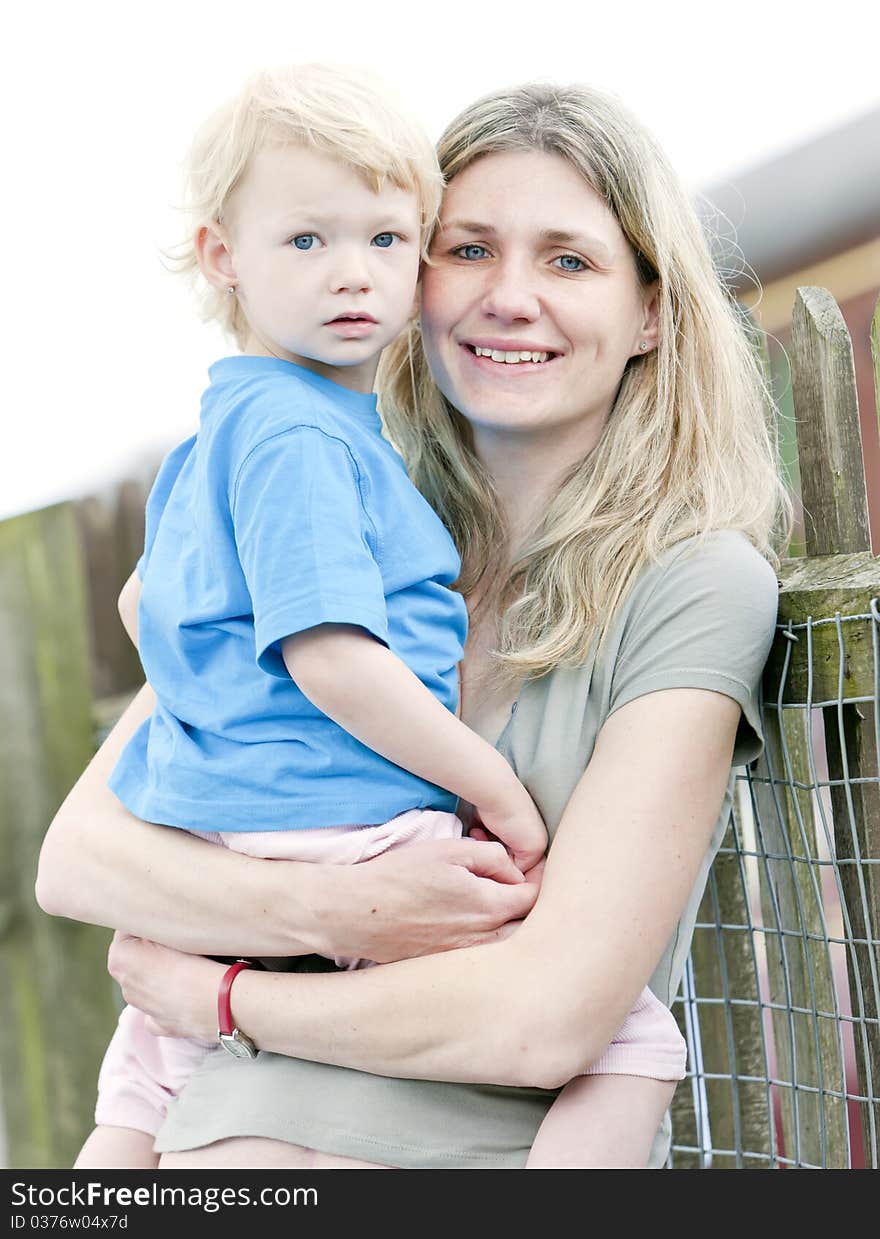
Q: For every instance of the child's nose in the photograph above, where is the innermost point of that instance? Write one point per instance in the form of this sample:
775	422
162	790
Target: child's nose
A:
351	273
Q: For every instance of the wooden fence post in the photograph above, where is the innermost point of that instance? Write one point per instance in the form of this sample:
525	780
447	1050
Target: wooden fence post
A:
799	965
111	531
58	999
839	577
823	381
730	1032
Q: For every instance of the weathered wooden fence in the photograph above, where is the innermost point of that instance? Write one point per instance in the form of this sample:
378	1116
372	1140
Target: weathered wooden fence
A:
63	666
781	1002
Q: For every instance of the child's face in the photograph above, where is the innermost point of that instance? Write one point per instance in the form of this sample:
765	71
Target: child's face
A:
325	269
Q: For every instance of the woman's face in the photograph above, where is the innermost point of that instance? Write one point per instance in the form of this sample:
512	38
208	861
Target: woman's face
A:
529	260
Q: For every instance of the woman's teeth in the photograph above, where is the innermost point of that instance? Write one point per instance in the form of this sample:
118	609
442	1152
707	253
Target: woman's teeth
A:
511	359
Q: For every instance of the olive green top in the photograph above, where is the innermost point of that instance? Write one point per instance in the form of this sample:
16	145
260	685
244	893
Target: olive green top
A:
702	617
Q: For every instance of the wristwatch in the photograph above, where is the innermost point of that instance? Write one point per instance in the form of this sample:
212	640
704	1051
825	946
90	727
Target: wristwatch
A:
231	1038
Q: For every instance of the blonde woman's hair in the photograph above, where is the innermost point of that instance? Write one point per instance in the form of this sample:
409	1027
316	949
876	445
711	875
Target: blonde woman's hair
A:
341	111
689	446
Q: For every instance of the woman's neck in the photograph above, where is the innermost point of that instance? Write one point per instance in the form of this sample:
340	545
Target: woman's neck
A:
527	470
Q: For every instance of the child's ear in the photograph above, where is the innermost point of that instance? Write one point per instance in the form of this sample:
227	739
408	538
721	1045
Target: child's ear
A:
214	256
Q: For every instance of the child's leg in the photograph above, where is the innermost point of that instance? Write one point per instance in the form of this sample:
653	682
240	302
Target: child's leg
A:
648	1043
609	1116
117	1148
140	1074
602	1122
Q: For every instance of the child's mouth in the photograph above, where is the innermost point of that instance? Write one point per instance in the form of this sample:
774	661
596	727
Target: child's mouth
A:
352	326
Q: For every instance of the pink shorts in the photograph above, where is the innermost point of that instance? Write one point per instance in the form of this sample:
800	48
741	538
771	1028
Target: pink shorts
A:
141	1073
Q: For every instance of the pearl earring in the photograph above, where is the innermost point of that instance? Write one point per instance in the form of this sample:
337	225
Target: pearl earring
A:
230	290
643	346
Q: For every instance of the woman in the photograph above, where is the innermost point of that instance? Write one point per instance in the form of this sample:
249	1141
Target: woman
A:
614	499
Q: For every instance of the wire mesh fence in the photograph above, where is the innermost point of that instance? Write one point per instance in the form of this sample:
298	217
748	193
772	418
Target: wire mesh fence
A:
780	998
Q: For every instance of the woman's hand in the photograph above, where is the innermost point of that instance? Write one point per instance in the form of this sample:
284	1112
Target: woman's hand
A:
421	900
176	991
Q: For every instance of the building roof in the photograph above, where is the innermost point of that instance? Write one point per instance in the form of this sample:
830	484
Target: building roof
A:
802	206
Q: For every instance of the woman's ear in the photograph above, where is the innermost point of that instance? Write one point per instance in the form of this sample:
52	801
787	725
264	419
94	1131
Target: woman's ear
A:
649	330
214	256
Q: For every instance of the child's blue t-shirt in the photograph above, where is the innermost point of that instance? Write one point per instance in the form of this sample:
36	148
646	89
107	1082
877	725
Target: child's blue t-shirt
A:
288	509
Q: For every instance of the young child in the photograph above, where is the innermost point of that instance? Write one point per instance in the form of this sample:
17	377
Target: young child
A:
296	619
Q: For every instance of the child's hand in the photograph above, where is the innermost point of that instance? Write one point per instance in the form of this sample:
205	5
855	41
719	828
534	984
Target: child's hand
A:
517	823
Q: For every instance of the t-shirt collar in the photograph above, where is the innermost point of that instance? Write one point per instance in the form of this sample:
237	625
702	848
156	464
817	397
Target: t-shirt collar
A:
240	366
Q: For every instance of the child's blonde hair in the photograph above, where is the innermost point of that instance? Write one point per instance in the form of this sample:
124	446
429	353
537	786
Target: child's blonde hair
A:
343	112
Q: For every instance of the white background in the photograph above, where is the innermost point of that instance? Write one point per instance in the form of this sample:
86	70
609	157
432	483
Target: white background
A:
105	357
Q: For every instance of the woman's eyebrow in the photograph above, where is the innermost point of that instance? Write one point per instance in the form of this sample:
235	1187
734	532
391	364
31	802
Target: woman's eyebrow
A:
583	239
466	225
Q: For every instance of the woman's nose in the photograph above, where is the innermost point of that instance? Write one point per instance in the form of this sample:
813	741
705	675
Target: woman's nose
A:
510	293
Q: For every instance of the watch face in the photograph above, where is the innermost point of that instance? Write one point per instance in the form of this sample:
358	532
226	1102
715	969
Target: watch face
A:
238	1044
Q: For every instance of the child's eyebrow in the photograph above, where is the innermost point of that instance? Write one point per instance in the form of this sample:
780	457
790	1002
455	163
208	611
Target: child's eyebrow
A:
311	218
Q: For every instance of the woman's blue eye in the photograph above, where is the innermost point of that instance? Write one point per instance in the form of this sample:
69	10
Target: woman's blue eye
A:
305	241
471	252
570	262
385	240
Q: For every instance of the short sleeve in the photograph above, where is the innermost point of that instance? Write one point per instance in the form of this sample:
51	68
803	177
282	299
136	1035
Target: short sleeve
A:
304	540
705	618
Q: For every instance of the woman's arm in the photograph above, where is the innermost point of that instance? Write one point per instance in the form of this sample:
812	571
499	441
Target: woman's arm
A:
102	865
540	1006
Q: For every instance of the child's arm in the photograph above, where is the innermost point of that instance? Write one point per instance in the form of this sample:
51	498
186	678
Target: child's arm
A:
601	1122
128	606
368	690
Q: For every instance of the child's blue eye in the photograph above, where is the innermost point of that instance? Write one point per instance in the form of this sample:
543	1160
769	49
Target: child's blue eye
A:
304	241
571	262
385	240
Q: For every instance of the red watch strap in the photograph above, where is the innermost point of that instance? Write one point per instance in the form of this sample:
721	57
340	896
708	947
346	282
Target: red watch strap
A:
224	1010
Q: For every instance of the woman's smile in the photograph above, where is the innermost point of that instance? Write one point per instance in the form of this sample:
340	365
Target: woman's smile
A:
524	355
